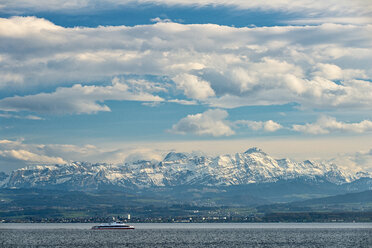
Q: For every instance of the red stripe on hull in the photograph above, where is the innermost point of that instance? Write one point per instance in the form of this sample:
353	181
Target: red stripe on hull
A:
110	228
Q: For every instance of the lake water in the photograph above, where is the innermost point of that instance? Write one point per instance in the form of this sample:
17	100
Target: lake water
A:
189	235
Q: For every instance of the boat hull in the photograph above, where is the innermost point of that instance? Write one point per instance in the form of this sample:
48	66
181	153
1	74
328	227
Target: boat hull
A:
113	227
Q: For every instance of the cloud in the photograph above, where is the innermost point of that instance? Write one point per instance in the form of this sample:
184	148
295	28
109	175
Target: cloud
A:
326	124
27	156
223	67
311	8
334	72
18	151
15	154
268	126
183	102
7	79
329	71
22	5
193	86
355	161
211	123
143	154
27	117
158	19
363	19
81	99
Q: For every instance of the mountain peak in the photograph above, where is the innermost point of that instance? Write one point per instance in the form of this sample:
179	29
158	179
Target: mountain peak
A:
254	150
308	162
174	156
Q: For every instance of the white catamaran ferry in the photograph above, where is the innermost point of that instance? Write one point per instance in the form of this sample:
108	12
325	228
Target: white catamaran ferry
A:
113	225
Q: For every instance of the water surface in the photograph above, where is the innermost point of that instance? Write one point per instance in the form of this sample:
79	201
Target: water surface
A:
189	235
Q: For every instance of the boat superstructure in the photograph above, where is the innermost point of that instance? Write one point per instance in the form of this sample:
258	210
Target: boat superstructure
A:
113	225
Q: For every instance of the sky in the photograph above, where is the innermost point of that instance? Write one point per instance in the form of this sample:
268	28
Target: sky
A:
116	81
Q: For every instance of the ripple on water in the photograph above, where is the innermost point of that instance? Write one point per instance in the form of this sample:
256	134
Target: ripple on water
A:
187	238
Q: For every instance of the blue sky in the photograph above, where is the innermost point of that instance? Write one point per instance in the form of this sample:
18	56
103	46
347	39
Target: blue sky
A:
108	81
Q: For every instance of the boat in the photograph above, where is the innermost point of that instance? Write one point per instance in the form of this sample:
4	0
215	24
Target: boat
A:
113	225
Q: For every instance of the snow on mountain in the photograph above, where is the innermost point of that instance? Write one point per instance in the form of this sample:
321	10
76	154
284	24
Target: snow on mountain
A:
252	166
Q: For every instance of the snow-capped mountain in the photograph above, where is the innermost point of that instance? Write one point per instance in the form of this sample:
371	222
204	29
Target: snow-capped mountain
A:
178	169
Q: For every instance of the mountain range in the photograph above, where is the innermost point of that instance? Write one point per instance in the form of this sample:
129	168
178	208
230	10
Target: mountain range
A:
248	178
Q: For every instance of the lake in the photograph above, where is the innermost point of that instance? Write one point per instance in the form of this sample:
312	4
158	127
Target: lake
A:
189	235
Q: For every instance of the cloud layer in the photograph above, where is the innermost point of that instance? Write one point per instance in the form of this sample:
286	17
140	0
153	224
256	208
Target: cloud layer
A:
340	8
214	122
225	67
15	150
327	124
82	99
20	153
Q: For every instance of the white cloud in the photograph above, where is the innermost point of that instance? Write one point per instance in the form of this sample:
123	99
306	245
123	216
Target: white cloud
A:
216	65
268	126
7	79
143	154
27	156
326	124
329	71
17	153
212	123
81	99
158	19
355	161
193	86
334	72
183	102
